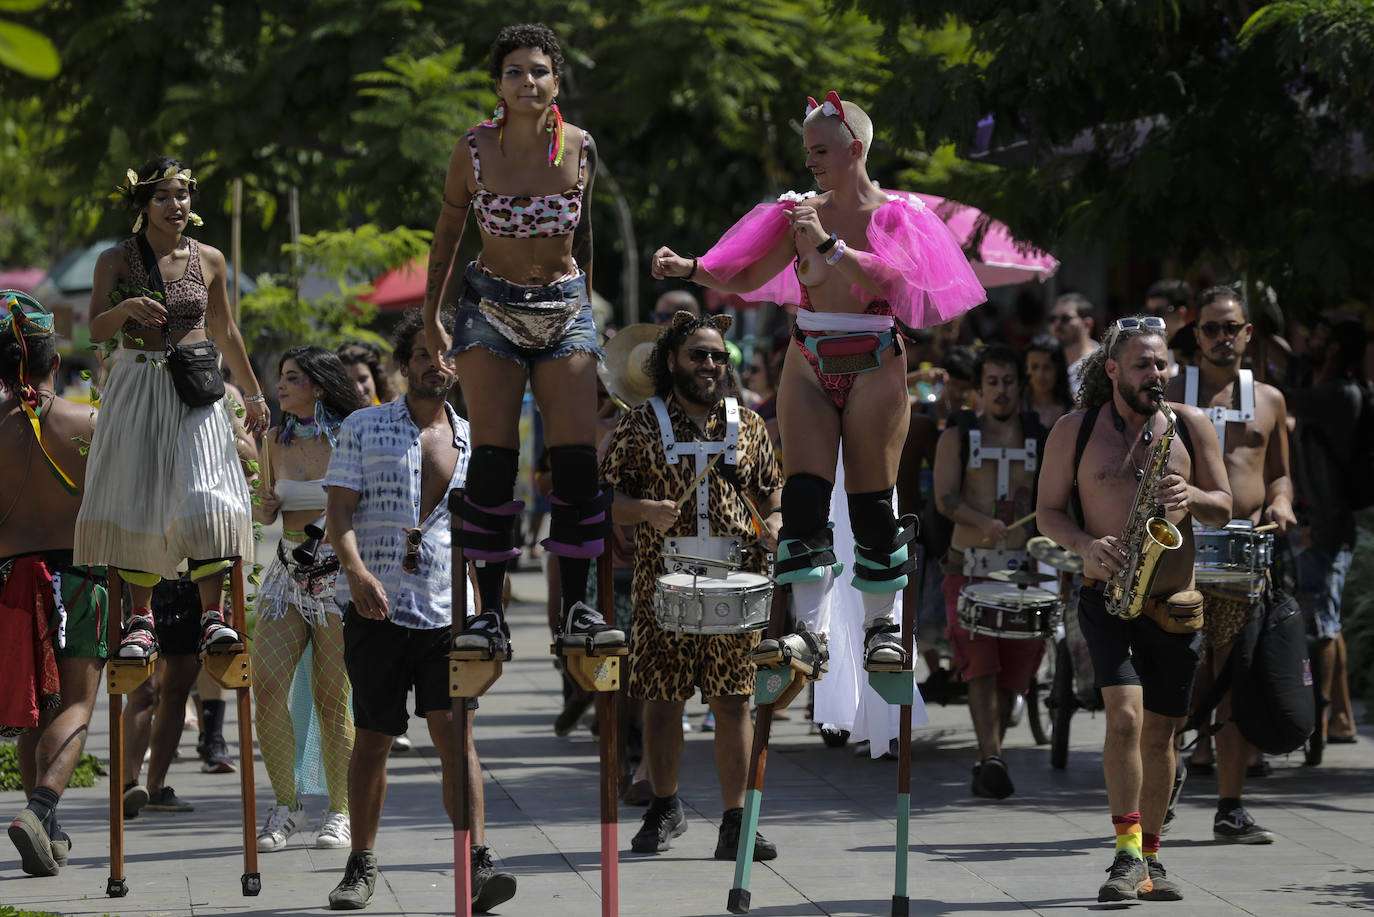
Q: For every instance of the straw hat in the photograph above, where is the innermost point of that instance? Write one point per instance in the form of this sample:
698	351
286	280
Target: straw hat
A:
622	372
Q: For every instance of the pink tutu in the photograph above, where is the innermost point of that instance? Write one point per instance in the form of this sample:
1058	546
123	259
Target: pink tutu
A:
915	261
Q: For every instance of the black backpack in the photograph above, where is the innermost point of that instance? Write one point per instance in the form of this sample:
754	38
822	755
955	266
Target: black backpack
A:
1270	678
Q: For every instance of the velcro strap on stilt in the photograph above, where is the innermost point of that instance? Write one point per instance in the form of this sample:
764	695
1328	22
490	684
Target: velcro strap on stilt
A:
803	560
884	570
140	578
487	533
580	530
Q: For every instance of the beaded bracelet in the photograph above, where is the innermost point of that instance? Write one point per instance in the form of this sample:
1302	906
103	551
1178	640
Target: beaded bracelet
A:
834	257
255	399
827	245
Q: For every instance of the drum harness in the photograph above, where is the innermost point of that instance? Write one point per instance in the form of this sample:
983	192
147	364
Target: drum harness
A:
981	561
1221	416
704	545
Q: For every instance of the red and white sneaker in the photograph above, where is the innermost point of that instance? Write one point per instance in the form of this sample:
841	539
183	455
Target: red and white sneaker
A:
216	636
140	639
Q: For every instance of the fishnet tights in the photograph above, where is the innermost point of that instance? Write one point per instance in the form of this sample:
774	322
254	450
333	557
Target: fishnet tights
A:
277	648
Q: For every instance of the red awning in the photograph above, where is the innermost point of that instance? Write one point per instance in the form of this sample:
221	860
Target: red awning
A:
401	288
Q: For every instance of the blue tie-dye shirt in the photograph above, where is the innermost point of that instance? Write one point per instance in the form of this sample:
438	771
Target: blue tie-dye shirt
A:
378	456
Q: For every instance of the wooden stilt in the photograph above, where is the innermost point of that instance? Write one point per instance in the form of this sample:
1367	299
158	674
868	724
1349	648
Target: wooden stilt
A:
236	673
463	677
117	886
774	687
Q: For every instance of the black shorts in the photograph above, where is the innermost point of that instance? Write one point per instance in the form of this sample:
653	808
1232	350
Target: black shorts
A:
384	661
176	617
1138	652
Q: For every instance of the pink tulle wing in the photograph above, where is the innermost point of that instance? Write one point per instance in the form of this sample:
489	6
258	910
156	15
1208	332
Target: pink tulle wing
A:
745	243
918	264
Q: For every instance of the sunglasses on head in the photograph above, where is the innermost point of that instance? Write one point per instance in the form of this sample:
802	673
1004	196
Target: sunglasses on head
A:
1212	329
699	355
411	562
1149	322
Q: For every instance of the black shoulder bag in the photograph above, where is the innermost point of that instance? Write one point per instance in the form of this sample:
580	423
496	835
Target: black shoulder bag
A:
194	367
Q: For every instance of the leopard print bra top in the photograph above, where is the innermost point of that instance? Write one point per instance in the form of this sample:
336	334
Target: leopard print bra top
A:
516	216
184	298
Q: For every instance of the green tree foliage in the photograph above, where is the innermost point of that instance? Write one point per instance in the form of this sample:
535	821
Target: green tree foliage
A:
24	50
1158	126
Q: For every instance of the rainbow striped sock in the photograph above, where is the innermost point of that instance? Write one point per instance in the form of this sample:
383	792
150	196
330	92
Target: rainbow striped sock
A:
1128	835
1149	844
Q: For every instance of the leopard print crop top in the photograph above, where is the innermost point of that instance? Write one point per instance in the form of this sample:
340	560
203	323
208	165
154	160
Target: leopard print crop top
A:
515	216
185	297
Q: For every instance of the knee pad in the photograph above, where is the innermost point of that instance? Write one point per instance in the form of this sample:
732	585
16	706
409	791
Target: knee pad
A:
882	544
579	507
489	509
805	505
807	546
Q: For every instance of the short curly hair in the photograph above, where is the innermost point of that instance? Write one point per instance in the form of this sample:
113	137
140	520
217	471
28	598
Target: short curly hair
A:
683	326
529	35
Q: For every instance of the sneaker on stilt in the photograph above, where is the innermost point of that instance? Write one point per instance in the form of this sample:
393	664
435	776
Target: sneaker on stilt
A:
140	639
216	636
584	626
487	635
883	650
804	651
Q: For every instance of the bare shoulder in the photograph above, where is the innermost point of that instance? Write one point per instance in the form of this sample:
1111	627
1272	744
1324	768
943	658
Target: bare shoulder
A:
1269	394
211	255
112	260
1189	414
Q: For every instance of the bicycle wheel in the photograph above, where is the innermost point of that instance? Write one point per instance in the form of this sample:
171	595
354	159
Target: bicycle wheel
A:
1062	703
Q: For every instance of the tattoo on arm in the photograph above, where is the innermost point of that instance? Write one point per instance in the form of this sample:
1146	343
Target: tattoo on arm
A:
950	502
582	235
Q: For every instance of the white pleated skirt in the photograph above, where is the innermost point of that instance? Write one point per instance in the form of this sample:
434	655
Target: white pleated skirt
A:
163	481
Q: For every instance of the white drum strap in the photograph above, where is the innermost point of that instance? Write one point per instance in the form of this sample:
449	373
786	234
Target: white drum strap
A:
702	451
1219	415
1003	457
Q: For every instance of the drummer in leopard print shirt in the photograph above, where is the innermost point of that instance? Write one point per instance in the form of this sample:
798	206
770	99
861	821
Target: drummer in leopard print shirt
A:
652	469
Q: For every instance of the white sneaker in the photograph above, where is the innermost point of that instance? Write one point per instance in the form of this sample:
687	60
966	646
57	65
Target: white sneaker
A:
281	823
402	743
334	831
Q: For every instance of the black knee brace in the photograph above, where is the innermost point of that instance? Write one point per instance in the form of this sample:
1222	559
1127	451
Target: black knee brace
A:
882	558
806	546
579	513
488	510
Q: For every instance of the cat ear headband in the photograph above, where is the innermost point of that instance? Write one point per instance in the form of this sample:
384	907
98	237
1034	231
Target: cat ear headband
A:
831	107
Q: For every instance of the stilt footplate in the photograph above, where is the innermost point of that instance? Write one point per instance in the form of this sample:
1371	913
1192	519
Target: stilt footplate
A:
471	677
231	670
125	675
595	671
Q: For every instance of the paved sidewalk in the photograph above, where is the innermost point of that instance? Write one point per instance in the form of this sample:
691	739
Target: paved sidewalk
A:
1042	851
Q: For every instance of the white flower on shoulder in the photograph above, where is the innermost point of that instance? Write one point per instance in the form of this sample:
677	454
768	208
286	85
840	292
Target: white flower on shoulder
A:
795	197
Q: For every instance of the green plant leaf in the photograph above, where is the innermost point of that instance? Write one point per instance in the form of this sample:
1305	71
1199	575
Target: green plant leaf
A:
27	51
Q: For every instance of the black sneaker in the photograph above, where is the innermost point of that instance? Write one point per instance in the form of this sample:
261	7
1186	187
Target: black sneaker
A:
664	821
165	799
135	798
1163	888
489	887
140	639
583	625
1237	827
1127	877
354	890
487	635
727	843
883	651
991	779
214	758
216	636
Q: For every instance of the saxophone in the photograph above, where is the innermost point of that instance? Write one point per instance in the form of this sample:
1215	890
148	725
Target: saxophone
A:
1147	535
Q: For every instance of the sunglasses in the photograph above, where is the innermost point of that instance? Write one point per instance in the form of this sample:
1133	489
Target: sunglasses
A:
700	354
1149	322
1061	319
411	562
1212	329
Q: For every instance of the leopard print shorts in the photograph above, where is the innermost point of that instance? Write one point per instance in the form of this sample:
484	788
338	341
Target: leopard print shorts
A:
669	666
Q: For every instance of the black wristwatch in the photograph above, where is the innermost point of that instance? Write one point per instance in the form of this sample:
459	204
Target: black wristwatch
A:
827	245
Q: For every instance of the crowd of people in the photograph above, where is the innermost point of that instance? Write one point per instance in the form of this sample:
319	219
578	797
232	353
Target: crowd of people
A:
702	452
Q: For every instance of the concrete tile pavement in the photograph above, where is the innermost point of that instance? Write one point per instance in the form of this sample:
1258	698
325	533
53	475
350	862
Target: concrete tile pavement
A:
1042	851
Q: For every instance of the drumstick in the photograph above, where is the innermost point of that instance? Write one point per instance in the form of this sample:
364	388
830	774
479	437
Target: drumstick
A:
754	514
1265	528
1022	521
697	480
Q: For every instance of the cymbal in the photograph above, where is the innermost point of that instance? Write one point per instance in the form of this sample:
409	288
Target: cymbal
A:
1023	577
1047	552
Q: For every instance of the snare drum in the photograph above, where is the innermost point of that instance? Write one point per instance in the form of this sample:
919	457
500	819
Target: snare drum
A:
1233	555
1004	610
735	604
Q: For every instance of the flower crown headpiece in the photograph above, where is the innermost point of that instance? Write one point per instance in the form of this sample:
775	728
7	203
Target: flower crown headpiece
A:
132	184
832	107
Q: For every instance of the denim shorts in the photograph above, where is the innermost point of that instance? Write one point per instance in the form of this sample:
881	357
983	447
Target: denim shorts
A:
1321	580
493	313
